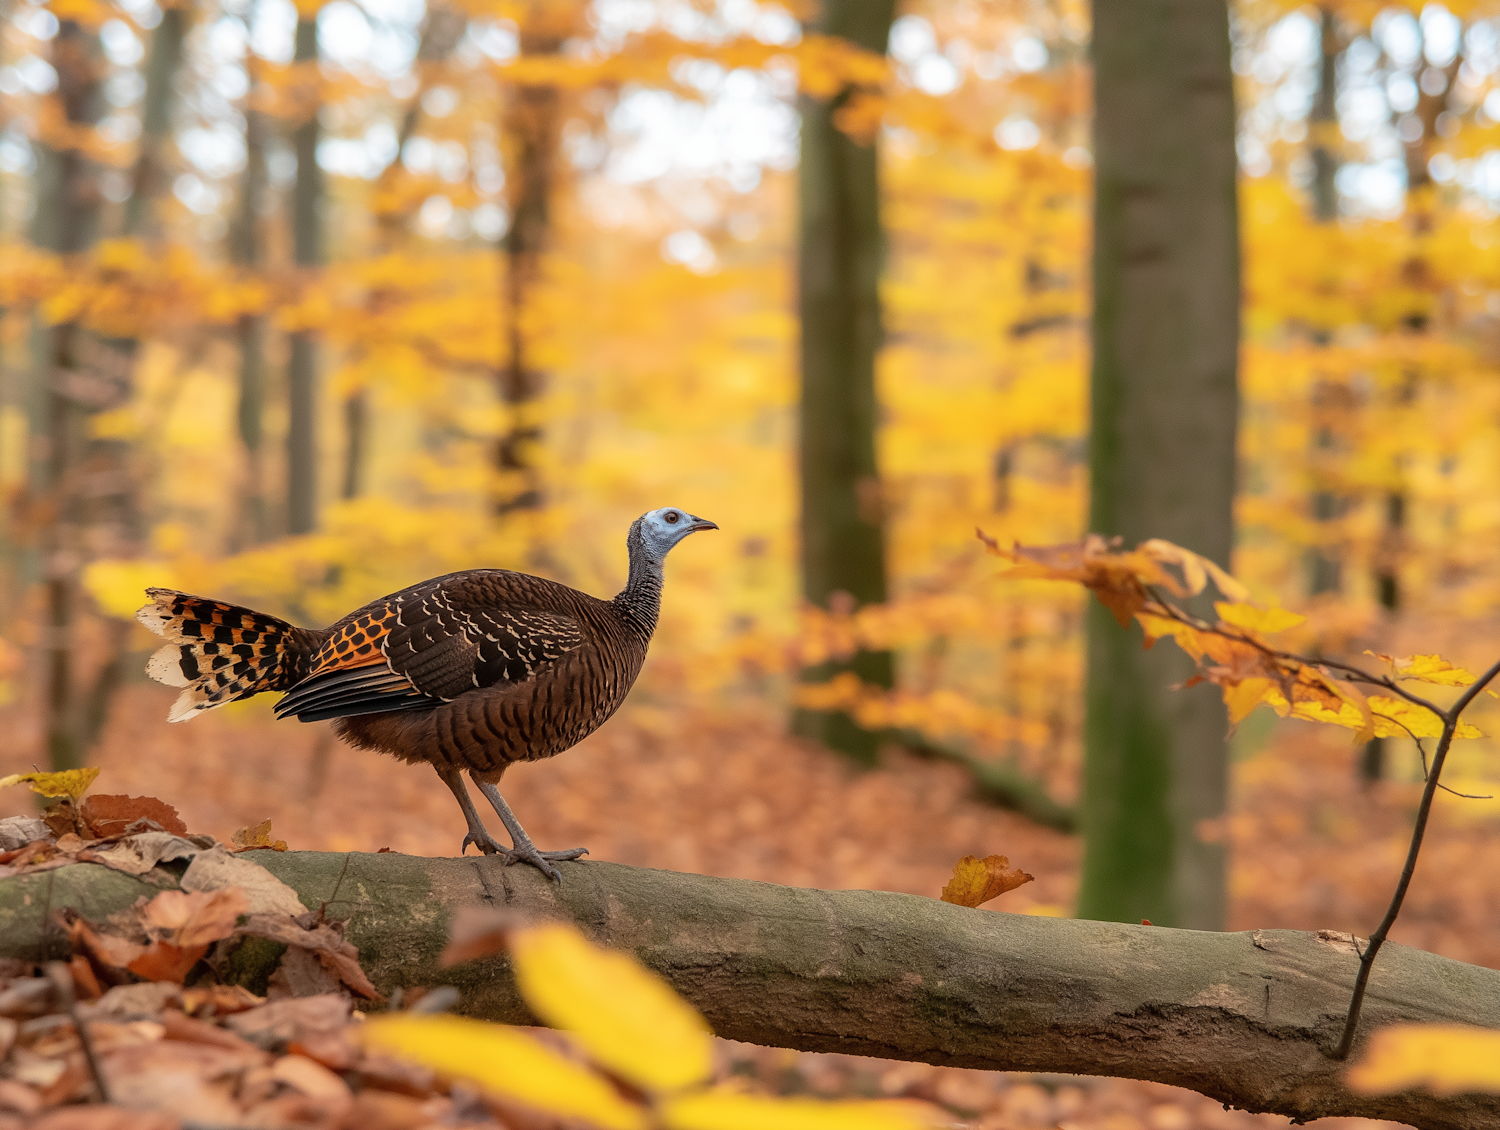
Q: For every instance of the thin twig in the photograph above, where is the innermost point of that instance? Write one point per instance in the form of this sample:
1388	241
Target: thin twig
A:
1377	939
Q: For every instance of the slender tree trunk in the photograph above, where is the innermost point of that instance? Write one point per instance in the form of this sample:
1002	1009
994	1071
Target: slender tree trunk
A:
247	252
1162	444
1324	121
67	222
156	119
302	367
532	124
840	255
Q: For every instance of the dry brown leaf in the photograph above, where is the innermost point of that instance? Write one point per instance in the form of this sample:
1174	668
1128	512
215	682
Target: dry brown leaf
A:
976	880
108	815
280	1022
218	1000
162	961
256	836
105	949
340	957
477	931
196	917
177	1026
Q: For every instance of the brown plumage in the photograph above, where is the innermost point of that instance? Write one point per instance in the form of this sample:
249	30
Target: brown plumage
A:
468	672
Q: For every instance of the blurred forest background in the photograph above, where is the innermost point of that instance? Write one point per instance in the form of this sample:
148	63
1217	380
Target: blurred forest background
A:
304	303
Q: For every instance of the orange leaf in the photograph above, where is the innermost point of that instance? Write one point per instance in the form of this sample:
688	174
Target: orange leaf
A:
256	836
1244	696
196	917
976	880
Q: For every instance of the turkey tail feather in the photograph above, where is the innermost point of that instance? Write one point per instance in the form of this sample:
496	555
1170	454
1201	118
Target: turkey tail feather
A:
220	652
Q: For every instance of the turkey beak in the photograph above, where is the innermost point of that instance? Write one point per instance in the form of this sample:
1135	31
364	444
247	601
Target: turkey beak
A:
701	524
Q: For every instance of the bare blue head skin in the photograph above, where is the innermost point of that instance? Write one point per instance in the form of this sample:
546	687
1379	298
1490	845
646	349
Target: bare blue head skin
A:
651	538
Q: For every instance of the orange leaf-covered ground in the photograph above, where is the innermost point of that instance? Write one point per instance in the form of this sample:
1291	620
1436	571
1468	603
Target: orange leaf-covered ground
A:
1312	848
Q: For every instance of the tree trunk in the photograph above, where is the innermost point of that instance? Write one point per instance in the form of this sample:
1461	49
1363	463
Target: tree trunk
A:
1162	443
247	252
156	120
532	125
1247	1018
841	251
67	222
1324	122
302	365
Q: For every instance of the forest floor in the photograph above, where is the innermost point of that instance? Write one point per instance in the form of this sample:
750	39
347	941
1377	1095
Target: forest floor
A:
1310	849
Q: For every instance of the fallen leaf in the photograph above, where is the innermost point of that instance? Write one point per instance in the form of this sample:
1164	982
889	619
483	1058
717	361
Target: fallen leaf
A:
626	1017
71	783
277	1023
216	868
218	1000
177	1026
108	815
256	836
976	880
163	961
105	949
1446	1059
506	1061
338	956
301	973
478	931
98	1117
18	831
135	855
196	917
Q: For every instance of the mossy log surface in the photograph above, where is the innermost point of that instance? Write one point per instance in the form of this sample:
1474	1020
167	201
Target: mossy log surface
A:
1247	1018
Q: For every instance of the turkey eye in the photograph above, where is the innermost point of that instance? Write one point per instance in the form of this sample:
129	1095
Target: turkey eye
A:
671	517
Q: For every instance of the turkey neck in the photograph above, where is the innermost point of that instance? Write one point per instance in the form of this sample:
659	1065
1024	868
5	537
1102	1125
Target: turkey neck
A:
640	601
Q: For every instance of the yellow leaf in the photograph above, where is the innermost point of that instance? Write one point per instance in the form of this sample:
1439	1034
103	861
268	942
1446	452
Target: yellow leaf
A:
1245	696
626	1017
726	1110
256	836
978	880
1253	618
71	783
1446	1059
1429	669
507	1062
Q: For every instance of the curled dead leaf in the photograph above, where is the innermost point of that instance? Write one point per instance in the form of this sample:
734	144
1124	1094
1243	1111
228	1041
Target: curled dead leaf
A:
976	880
256	836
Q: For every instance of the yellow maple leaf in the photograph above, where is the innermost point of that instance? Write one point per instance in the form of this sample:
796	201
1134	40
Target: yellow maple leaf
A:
1446	1059
1244	696
626	1017
976	880
1428	669
1256	619
506	1062
71	783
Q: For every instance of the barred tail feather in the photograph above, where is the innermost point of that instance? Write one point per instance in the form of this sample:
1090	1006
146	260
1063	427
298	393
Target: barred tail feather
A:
217	652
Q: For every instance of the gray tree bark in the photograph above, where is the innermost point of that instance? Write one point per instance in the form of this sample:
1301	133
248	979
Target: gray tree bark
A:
69	202
1162	443
841	251
1247	1018
247	251
302	364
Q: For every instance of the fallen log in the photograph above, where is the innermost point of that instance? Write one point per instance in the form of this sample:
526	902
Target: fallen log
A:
1248	1018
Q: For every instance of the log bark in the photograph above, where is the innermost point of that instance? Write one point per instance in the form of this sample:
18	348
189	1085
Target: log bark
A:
1247	1018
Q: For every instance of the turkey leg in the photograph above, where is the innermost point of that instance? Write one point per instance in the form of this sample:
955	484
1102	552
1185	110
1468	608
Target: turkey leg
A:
478	835
524	850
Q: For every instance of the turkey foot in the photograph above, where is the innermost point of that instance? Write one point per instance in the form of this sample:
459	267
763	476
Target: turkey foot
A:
525	851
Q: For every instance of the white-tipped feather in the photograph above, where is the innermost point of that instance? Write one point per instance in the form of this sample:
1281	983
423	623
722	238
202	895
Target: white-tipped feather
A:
188	706
165	666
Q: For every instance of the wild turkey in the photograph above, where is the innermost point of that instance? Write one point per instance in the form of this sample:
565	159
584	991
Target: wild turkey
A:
471	671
